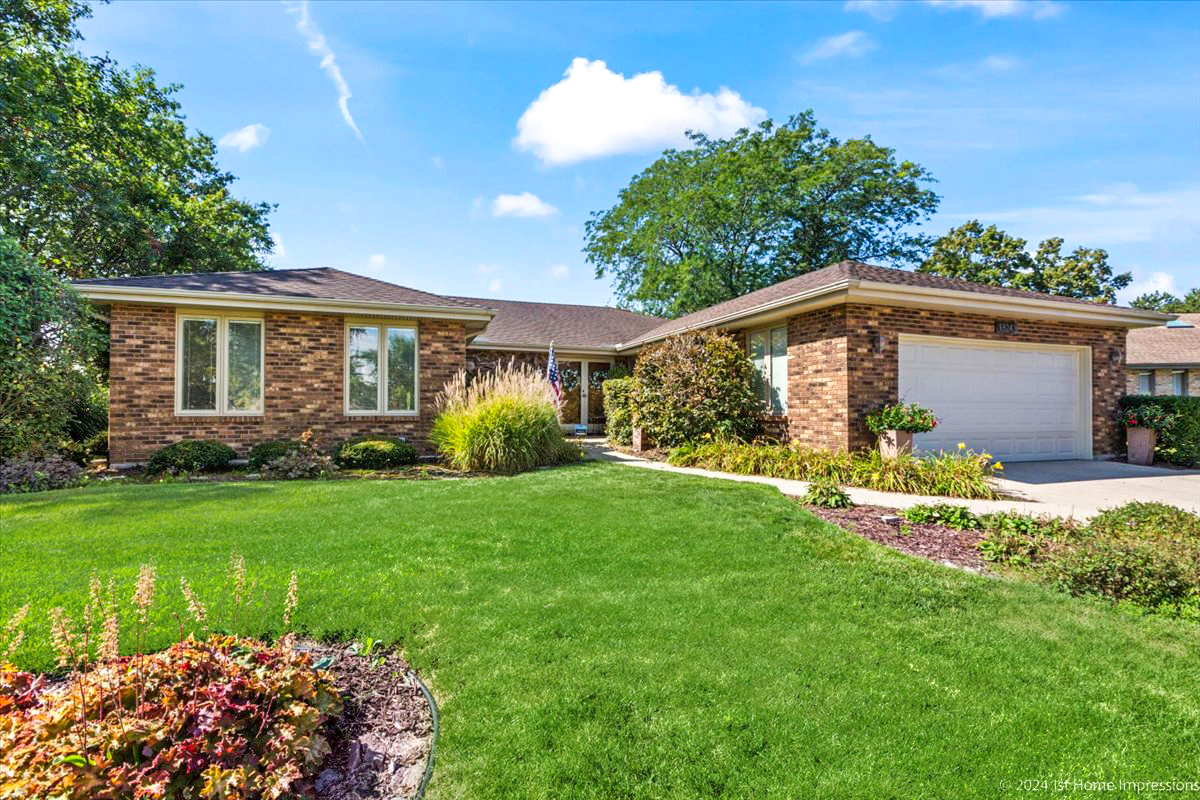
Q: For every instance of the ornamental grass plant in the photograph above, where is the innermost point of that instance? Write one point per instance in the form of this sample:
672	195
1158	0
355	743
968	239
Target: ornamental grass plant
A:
504	421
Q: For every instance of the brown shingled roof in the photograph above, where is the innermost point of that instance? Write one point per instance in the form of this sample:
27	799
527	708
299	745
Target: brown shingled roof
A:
518	322
827	276
322	283
1165	346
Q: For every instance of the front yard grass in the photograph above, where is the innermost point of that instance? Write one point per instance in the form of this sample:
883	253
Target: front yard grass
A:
600	631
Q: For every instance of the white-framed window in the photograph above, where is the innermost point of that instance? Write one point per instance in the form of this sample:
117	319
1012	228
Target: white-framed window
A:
1179	382
768	352
218	365
381	368
1145	382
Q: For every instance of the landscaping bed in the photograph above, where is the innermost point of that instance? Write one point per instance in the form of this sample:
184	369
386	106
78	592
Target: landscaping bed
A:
936	543
383	740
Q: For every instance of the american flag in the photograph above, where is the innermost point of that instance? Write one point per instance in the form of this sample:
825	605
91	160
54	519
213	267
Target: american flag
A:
553	376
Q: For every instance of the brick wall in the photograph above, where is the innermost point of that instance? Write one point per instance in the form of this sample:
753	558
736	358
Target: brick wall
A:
835	378
304	356
1162	381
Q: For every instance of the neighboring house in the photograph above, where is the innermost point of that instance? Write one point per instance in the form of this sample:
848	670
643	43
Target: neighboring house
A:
245	357
1165	359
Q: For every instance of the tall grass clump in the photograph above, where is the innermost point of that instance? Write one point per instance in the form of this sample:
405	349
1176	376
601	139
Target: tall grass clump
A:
503	421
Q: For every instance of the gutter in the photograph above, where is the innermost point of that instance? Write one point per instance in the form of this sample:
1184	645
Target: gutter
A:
877	293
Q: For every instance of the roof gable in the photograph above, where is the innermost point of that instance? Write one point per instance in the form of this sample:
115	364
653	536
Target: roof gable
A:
523	323
1165	345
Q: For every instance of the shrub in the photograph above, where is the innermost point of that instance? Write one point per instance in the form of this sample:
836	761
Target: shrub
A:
965	474
900	417
694	385
37	474
1155	575
503	421
264	452
191	455
618	410
97	446
951	516
1147	521
826	494
1150	414
376	452
1180	443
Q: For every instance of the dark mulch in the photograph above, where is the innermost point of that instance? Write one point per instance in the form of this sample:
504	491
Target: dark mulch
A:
933	542
382	741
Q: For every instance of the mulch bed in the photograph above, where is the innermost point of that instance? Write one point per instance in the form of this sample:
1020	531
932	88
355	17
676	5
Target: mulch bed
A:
382	742
936	543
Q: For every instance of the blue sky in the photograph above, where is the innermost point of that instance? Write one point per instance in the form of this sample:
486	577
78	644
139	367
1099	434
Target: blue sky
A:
460	148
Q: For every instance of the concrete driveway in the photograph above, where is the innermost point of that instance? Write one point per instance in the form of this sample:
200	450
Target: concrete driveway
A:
1090	486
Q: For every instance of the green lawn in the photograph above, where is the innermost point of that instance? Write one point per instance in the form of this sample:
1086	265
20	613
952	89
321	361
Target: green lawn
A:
600	631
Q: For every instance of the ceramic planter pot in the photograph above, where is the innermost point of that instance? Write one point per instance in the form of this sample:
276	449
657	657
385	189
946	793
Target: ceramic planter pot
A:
895	443
1139	443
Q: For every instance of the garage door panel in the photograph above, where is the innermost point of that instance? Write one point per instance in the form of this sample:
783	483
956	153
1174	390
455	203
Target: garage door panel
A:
1016	403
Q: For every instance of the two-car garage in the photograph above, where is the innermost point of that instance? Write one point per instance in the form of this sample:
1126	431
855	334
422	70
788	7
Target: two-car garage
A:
1019	402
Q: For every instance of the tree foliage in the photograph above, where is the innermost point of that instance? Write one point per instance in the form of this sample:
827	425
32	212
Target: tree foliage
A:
1169	303
98	173
989	255
45	343
729	216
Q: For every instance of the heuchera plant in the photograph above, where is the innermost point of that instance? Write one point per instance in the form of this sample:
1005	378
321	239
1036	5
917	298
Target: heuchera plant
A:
222	717
900	417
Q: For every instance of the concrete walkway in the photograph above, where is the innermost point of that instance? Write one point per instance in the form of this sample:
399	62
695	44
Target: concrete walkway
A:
1078	489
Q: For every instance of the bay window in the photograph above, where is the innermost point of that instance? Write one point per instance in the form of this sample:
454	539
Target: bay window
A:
381	368
219	365
768	353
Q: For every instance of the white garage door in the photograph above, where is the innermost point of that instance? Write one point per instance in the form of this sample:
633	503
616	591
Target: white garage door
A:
1019	404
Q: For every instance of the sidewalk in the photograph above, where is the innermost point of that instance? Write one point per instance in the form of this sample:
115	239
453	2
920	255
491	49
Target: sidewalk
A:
597	450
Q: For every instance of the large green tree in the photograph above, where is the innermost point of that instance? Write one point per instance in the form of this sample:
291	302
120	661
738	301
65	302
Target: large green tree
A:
99	175
989	255
729	216
46	346
1169	303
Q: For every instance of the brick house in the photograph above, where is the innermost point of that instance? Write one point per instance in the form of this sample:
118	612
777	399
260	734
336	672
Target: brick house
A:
1165	359
245	357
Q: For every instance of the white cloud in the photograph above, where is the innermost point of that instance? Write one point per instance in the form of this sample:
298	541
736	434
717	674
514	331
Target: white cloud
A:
1038	9
999	63
278	251
1156	282
487	269
317	44
495	285
559	271
377	262
1115	215
850	43
882	10
435	162
246	138
594	112
525	204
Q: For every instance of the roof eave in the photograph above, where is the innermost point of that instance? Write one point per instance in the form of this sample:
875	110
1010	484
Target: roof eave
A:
274	302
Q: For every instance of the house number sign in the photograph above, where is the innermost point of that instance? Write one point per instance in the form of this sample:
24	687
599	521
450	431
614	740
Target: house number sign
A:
1003	326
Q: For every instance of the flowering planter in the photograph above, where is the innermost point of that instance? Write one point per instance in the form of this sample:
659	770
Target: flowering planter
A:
893	444
1139	443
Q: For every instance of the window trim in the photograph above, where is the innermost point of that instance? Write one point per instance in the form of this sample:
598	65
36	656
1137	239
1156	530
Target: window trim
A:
787	361
222	378
381	409
1183	382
